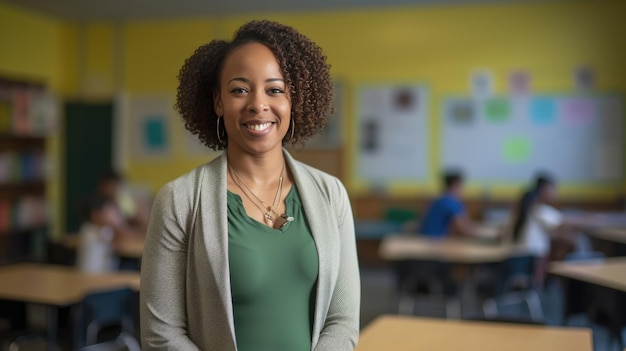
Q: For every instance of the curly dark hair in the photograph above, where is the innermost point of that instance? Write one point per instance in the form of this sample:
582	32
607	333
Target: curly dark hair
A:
301	62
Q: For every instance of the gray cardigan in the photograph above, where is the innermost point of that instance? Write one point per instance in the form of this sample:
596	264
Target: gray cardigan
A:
185	281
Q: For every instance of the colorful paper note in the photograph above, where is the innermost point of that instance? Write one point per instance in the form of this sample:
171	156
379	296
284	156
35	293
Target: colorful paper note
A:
577	111
481	84
543	110
497	110
461	111
516	150
584	78
519	83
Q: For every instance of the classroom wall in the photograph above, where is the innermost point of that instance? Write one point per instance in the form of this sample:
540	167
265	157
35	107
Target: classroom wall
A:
42	49
436	45
35	47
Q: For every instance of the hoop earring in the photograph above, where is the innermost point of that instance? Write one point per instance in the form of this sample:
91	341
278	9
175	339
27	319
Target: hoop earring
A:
293	127
218	130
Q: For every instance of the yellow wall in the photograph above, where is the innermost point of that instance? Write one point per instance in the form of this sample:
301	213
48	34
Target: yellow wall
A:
439	45
39	48
35	47
154	53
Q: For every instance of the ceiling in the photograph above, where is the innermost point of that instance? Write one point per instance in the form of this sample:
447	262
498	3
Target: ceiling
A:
120	10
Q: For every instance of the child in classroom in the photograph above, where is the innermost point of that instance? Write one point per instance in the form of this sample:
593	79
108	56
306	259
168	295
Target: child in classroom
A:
97	236
447	214
541	228
132	203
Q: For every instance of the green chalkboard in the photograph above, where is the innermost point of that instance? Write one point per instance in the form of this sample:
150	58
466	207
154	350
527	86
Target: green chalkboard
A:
88	151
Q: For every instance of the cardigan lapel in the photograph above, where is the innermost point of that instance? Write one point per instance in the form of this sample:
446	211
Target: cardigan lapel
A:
215	231
317	215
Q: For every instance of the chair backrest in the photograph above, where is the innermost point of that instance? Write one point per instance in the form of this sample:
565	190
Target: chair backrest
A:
123	342
58	253
104	309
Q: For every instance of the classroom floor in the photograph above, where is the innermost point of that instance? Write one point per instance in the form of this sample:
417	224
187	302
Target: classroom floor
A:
379	297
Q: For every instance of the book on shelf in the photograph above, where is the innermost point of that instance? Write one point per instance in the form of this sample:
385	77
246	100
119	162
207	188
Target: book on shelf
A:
27	110
22	214
21	167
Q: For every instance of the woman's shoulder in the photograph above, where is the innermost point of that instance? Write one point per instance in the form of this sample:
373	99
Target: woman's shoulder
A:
187	184
192	177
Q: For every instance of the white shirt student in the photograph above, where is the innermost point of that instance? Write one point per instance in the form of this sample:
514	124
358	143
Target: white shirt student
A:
542	220
97	236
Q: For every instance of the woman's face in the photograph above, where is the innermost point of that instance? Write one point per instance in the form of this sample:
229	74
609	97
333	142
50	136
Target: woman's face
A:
254	100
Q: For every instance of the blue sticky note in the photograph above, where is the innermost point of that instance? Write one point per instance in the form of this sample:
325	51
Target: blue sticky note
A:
543	110
154	133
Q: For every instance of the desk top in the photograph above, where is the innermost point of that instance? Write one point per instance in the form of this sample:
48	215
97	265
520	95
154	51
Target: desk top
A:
610	272
130	247
57	285
617	235
408	334
126	246
413	247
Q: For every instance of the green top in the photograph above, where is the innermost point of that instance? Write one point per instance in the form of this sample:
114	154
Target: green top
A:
273	275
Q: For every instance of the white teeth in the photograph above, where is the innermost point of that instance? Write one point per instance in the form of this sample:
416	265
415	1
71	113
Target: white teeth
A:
261	126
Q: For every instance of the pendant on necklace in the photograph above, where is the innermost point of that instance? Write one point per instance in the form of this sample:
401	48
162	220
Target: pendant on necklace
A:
282	220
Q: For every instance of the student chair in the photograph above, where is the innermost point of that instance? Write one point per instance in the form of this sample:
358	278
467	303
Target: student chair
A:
603	306
517	288
106	311
425	280
123	342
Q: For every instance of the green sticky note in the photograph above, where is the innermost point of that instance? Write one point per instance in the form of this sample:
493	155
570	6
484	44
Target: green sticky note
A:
497	109
517	150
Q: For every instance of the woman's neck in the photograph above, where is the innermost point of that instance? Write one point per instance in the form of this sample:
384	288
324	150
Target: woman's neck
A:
257	169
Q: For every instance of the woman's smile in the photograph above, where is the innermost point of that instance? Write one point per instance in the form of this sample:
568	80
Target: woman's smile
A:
259	129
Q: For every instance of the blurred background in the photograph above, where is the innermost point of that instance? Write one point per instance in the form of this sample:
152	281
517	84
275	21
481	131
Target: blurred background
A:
499	90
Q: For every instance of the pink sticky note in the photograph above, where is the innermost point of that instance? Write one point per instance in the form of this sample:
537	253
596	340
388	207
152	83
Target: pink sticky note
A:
577	111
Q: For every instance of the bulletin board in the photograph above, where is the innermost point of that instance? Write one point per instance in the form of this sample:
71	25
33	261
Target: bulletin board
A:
391	136
578	138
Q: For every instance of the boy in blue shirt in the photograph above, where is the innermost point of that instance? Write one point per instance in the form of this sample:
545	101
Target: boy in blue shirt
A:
447	214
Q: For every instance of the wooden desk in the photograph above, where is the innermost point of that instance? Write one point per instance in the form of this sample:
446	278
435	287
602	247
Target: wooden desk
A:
408	334
404	249
127	246
603	291
616	235
597	220
57	286
413	247
130	247
610	273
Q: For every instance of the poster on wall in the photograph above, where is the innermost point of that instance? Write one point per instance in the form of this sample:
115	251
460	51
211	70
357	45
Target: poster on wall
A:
584	78
519	83
481	83
150	126
191	144
392	124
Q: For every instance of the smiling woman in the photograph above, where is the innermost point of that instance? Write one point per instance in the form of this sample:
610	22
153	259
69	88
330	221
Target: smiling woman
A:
254	250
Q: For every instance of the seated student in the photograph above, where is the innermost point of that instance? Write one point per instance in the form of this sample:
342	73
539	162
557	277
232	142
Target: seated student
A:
447	215
97	236
537	224
131	205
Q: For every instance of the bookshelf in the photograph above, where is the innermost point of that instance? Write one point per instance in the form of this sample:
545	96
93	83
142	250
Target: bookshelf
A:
27	114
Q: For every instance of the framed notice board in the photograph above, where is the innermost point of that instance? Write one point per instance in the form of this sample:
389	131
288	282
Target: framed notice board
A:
579	139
